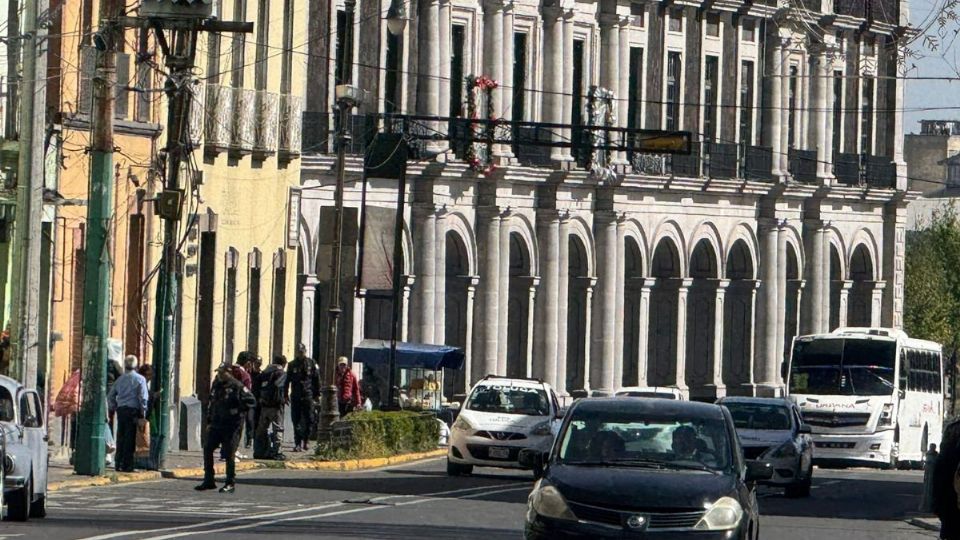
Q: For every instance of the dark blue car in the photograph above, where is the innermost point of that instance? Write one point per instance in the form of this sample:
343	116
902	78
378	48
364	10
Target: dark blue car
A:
644	468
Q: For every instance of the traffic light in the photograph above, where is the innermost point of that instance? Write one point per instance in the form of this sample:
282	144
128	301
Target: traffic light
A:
177	9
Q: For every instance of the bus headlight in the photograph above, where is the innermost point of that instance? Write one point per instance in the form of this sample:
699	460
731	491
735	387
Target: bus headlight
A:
725	514
886	415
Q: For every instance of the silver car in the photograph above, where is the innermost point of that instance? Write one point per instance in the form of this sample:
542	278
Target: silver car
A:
25	454
772	430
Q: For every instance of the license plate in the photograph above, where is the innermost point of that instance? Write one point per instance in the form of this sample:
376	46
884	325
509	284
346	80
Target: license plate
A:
497	452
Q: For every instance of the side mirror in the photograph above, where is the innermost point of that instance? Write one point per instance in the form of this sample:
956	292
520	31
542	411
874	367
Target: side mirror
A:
805	429
758	470
531	458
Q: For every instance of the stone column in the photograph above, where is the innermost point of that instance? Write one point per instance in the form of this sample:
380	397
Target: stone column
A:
504	303
618	310
845	287
813	322
623	90
642	340
876	304
545	332
531	318
428	93
605	305
784	108
308	310
752	377
774	363
824	116
776	91
552	103
469	366
405	326
563	299
588	325
720	389
506	87
440	278
487	336
803	110
446	22
681	366
425	230
826	296
610	51
359	304
493	48
766	335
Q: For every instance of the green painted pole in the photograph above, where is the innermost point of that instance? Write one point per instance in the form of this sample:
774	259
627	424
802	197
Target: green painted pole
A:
90	452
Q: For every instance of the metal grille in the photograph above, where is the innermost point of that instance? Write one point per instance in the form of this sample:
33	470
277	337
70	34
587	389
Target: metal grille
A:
826	419
656	519
501	435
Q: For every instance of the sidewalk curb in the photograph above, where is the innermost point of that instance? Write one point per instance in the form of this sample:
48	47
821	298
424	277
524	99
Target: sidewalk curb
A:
194	472
918	522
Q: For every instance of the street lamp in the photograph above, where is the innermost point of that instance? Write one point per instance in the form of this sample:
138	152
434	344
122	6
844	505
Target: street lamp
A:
396	17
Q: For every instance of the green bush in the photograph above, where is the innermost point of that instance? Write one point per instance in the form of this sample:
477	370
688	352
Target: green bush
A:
376	434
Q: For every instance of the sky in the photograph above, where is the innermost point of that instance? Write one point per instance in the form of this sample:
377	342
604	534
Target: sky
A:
932	100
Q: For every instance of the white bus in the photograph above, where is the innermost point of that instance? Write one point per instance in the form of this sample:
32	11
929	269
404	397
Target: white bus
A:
870	395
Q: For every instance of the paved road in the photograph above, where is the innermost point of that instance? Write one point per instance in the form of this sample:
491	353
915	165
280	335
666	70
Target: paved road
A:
420	501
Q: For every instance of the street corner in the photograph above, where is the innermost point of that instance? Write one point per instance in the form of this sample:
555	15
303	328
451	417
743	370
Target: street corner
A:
362	464
98	481
219	468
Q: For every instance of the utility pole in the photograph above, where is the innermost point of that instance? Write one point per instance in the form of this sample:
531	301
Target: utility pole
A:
89	458
25	281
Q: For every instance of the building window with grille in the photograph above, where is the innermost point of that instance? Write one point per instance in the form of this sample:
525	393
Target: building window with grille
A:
263	37
792	108
286	66
748	30
866	117
676	20
519	76
746	102
458	42
638	11
674	66
237	57
344	50
710	95
713	24
391	91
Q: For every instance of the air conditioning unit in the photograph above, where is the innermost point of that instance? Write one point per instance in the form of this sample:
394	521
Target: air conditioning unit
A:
268	123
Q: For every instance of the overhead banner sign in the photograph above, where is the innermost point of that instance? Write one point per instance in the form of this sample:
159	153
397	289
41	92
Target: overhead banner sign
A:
385	160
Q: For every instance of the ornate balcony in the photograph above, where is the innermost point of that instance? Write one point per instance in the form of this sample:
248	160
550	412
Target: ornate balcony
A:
267	125
244	121
291	126
218	128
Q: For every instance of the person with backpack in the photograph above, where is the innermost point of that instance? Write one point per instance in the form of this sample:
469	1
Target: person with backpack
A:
303	379
946	474
229	402
272	396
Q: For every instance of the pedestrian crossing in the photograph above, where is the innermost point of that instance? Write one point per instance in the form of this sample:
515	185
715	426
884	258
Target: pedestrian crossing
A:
200	506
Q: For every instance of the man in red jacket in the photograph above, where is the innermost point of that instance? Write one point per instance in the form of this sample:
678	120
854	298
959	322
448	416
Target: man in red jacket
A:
348	389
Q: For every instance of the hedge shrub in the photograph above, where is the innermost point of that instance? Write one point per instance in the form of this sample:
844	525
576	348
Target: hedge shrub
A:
376	434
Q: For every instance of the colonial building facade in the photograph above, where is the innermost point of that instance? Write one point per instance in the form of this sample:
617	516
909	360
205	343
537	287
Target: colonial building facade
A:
694	271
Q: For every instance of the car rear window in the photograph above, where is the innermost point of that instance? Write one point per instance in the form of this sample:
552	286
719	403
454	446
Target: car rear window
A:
759	416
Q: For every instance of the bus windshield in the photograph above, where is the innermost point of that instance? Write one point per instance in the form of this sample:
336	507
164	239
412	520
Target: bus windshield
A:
847	367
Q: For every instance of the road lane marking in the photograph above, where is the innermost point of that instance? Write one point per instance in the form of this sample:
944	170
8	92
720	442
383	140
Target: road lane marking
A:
420	500
192	527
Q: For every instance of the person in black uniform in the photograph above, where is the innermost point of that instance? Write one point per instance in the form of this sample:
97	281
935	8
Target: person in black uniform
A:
303	381
945	497
229	402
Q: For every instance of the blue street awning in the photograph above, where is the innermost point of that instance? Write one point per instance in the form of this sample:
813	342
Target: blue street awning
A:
372	352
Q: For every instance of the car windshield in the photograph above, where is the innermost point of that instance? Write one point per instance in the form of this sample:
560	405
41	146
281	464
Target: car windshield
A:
6	406
645	439
759	416
508	399
847	367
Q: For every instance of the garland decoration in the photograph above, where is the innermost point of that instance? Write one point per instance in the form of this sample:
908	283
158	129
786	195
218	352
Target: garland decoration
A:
479	155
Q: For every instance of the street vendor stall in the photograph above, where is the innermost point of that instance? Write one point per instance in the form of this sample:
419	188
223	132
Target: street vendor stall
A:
420	366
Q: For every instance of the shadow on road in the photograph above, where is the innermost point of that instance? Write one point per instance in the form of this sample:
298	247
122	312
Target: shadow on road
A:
389	531
848	498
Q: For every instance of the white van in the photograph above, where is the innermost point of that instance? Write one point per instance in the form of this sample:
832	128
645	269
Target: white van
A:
500	417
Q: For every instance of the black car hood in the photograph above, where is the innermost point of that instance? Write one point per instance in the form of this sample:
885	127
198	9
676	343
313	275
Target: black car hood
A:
632	487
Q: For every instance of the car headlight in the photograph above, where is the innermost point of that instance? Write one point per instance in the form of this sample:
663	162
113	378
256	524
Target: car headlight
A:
785	450
8	464
886	415
546	500
463	424
542	429
725	514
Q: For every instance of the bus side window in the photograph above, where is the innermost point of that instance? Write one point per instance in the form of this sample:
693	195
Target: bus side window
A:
911	365
904	368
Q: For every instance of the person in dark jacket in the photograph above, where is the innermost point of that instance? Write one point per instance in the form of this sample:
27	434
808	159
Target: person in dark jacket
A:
944	492
303	380
229	401
271	397
238	372
252	367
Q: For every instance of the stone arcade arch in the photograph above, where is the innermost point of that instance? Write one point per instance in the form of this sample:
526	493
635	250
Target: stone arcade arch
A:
738	320
860	302
518	308
457	284
664	301
577	310
701	319
632	305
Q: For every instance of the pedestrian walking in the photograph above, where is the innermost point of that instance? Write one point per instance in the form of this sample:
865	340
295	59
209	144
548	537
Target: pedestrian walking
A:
303	380
945	475
929	464
238	372
128	398
229	401
252	367
272	399
142	456
348	388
